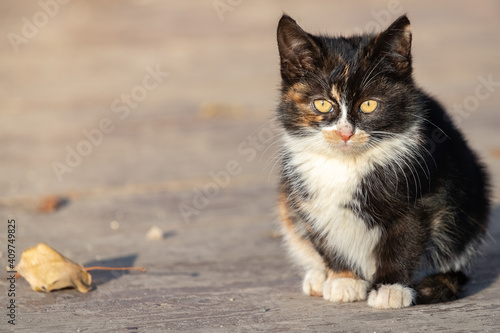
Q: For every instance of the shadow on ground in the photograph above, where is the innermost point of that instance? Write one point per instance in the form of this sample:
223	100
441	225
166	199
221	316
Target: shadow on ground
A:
100	277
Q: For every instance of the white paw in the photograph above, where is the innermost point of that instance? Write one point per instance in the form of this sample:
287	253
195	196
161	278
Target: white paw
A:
345	290
391	296
313	282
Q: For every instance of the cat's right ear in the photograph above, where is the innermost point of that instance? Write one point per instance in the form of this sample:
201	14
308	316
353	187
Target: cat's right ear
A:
299	53
395	42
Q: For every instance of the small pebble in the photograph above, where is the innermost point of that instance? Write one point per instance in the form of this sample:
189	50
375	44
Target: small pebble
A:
114	225
155	233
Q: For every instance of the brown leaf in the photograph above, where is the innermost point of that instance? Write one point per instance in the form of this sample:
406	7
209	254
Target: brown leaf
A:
46	270
51	203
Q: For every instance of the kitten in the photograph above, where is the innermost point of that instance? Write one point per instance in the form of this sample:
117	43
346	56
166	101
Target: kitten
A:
381	198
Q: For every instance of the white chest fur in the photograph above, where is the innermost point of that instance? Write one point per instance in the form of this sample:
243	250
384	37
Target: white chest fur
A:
333	183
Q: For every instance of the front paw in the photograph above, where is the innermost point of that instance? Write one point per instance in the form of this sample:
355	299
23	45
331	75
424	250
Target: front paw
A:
345	290
391	296
313	282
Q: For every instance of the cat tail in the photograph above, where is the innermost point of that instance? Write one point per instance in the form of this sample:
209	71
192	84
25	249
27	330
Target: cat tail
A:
440	287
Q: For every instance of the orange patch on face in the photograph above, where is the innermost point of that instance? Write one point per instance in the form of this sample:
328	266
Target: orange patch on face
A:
334	137
297	93
360	138
335	93
307	116
346	71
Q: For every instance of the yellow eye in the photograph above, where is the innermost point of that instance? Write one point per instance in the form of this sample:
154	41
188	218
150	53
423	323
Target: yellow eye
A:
323	106
368	106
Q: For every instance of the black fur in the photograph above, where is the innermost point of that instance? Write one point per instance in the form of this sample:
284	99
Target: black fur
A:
441	287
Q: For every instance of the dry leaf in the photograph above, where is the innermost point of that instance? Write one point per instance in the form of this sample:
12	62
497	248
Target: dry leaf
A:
46	269
51	203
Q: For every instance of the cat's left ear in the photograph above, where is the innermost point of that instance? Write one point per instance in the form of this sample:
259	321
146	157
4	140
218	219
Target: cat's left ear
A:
299	52
396	43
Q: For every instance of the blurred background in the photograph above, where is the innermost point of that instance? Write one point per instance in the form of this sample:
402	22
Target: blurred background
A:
65	63
118	116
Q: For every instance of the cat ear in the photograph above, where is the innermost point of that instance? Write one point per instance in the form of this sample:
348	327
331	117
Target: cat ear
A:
396	43
298	51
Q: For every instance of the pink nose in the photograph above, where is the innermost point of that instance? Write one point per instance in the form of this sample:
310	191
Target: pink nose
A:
345	135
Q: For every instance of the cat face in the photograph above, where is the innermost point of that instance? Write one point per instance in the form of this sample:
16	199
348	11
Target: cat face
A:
347	95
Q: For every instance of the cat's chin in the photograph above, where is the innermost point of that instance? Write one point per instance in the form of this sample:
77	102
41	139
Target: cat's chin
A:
347	149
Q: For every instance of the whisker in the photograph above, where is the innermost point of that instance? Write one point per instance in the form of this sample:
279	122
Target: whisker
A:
287	150
279	136
315	78
367	77
436	126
